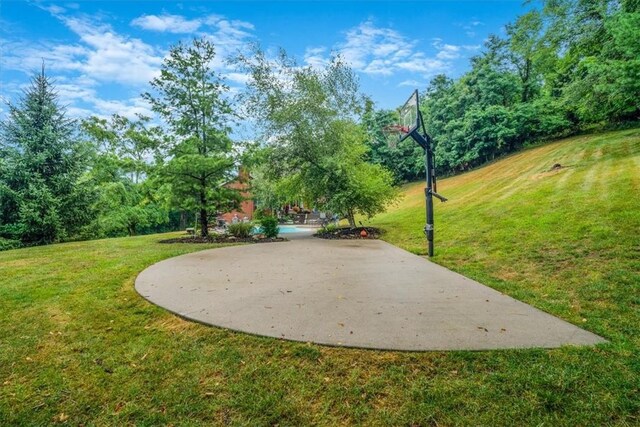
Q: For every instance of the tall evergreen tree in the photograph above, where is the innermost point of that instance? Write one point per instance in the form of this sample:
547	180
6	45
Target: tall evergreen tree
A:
44	199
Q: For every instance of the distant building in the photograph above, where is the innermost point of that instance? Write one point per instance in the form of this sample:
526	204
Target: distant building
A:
247	206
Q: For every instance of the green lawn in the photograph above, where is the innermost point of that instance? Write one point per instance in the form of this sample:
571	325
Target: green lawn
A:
78	345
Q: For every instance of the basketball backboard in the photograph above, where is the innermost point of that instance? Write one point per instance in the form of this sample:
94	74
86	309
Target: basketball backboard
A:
409	116
408	122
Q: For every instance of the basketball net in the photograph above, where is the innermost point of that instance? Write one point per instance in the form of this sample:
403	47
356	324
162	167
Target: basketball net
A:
393	134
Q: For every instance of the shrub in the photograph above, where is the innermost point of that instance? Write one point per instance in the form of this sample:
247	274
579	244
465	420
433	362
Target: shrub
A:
329	228
270	226
6	244
240	229
258	214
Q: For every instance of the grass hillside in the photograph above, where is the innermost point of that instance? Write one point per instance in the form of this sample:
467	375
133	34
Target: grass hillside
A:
564	239
79	346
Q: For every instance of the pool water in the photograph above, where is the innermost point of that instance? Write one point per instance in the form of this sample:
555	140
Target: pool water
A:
285	229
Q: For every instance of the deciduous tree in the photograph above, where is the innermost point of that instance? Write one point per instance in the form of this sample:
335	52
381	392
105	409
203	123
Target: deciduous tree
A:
193	100
308	116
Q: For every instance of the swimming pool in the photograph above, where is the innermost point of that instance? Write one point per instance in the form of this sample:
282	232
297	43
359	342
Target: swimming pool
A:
286	229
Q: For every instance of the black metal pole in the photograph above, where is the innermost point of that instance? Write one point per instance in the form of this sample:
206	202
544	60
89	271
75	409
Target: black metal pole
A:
425	143
428	229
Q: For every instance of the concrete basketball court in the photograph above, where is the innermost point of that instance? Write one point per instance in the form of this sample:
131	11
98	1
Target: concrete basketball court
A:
355	293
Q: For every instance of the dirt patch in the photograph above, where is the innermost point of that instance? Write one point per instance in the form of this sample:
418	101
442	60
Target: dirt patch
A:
350	233
223	239
554	170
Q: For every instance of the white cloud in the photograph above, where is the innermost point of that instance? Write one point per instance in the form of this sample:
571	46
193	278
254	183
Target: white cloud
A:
418	63
241	78
54	9
127	108
448	51
100	53
315	56
109	56
79	112
229	36
385	52
28	56
69	92
470	27
167	23
100	56
102	59
374	50
411	83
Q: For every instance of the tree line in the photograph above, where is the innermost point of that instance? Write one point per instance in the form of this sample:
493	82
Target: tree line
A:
64	179
567	67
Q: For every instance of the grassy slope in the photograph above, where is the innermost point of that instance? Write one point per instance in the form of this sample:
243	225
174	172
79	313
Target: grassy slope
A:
76	340
567	240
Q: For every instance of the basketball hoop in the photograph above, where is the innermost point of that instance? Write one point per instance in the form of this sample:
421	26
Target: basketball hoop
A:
394	134
409	115
409	125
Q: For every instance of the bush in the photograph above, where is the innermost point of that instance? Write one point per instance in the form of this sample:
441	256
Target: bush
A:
6	244
240	229
258	214
270	226
330	228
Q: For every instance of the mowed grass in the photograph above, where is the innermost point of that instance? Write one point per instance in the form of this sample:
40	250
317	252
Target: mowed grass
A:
566	240
79	346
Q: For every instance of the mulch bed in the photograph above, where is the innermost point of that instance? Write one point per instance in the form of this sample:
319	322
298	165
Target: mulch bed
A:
223	239
350	233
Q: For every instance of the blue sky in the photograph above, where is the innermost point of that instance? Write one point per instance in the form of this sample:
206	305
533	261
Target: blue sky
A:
103	53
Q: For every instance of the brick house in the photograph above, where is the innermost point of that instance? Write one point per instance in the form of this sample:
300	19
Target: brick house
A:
247	206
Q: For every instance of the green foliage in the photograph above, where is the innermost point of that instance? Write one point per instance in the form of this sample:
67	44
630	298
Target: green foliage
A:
44	198
268	193
131	144
129	200
240	229
191	97
607	86
269	226
258	214
125	208
347	183
565	242
405	161
6	244
329	228
314	149
565	67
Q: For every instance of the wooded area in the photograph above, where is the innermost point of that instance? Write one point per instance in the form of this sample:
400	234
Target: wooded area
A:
569	67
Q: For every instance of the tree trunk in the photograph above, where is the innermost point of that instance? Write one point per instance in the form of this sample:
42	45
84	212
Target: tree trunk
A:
526	81
183	220
204	221
351	218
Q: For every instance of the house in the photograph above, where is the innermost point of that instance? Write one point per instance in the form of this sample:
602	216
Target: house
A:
247	206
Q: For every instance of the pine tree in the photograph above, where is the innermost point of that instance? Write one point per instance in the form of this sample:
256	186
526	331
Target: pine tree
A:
43	162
